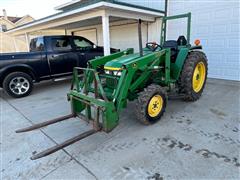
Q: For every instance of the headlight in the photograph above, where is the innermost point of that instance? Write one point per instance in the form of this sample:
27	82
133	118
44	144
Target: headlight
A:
115	73
107	71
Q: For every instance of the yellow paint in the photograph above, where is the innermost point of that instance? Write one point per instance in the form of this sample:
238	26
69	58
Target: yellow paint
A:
199	76
112	68
155	106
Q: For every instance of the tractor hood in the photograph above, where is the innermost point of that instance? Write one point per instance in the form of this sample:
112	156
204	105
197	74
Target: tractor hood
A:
118	63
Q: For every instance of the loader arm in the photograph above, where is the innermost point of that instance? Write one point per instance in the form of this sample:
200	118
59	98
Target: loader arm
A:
130	82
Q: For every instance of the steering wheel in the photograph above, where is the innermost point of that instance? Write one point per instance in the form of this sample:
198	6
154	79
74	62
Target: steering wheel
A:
153	46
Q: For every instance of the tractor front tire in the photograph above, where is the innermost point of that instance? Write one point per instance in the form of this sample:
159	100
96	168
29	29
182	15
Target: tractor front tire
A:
193	76
151	104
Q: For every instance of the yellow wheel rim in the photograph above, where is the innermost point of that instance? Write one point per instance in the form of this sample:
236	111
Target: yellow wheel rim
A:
155	106
199	77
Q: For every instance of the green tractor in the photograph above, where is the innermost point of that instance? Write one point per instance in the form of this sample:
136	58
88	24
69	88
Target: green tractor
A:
147	77
100	91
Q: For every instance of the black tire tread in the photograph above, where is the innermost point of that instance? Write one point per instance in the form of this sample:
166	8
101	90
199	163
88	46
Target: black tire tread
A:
8	78
185	79
143	99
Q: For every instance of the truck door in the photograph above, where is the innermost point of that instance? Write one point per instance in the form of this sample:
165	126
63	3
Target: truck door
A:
85	50
38	56
62	58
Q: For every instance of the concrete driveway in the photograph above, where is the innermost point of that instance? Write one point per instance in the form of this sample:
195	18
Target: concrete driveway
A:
193	140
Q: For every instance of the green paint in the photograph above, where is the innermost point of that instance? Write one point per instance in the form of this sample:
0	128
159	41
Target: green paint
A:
177	66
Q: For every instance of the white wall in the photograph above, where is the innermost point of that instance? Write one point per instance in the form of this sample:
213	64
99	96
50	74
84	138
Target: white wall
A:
216	23
91	34
154	4
123	34
154	31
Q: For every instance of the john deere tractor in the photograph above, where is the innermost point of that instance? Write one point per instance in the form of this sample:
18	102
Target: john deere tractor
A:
172	67
100	91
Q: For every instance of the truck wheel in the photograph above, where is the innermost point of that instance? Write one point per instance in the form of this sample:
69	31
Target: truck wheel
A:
193	76
18	84
151	104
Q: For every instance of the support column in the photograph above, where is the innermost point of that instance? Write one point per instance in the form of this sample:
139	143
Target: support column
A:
106	36
15	44
27	41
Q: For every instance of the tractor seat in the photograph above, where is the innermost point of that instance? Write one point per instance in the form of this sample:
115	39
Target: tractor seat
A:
182	41
173	45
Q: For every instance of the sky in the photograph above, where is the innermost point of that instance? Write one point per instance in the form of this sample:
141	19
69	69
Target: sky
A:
36	8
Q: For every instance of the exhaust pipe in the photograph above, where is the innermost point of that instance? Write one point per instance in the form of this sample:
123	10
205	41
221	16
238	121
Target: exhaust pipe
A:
140	37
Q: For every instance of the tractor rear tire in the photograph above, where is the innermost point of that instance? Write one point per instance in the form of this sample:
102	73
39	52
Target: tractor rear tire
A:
193	76
151	104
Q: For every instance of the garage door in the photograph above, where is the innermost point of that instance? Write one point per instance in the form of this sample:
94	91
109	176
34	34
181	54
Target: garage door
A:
216	24
126	36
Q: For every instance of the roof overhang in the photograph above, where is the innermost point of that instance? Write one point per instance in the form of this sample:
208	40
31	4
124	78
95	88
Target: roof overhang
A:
90	13
60	7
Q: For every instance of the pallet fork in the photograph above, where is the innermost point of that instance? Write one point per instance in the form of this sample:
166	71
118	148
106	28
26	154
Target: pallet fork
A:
81	100
58	146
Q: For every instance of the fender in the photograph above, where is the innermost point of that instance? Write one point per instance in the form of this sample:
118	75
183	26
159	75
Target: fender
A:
195	47
177	67
17	67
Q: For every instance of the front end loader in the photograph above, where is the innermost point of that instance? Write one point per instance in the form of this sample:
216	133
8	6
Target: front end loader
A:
159	71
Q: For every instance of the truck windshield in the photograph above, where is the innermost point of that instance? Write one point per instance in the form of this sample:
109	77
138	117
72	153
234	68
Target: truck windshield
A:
37	44
82	43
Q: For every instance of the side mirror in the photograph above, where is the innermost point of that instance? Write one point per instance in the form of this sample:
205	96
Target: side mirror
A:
94	46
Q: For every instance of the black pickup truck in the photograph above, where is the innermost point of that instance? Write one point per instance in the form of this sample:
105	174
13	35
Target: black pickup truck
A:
50	57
